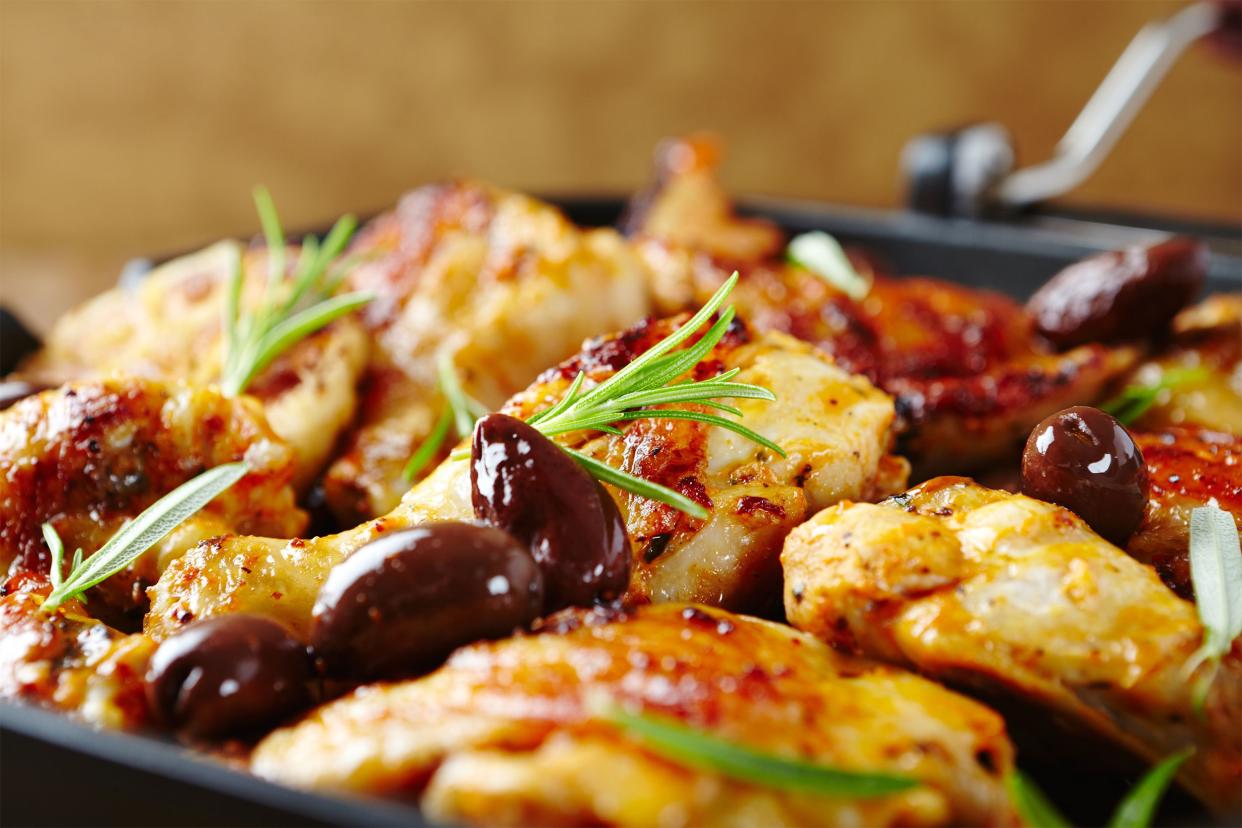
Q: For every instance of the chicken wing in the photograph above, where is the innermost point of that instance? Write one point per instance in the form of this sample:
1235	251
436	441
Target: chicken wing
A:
835	428
169	328
505	734
92	455
1016	597
969	374
502	284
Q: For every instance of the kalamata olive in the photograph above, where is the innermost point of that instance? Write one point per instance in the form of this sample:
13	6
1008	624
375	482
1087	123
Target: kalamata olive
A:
1086	461
226	676
1124	294
14	391
523	483
404	602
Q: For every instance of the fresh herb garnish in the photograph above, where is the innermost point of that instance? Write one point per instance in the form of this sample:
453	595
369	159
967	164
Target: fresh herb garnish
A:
1032	805
1136	809
136	537
461	411
1134	400
697	749
823	255
256	338
1216	572
652	379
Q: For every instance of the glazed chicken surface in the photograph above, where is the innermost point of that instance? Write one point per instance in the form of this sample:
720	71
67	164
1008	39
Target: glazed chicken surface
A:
1016	597
835	428
505	733
968	372
169	327
498	282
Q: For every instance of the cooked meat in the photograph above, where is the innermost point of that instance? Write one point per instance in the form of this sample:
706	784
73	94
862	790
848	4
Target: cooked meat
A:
1016	597
92	455
169	327
969	374
1207	336
71	662
503	284
836	429
1186	467
505	732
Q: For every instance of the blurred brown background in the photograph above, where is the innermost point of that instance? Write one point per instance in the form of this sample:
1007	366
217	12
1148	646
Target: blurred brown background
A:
129	127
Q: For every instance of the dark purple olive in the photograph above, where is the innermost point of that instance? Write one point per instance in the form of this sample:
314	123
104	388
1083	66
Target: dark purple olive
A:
14	391
1124	294
227	676
523	483
1086	461
402	603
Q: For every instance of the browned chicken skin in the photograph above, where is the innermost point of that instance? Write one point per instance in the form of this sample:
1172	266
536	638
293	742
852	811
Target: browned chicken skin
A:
505	733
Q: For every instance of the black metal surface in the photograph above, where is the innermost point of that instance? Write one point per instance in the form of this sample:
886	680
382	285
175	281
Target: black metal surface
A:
121	779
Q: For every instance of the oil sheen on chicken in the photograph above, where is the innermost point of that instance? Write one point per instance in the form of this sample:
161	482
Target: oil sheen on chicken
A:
1019	598
508	733
836	429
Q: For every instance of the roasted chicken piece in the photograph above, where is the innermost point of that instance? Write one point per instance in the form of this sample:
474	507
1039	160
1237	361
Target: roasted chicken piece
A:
501	284
1016	597
71	662
506	733
836	429
1186	468
968	372
1206	338
169	327
93	454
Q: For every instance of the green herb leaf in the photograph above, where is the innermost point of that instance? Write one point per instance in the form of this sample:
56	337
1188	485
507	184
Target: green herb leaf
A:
57	548
254	340
1135	400
697	749
1032	805
140	534
428	449
637	485
461	411
823	255
1216	572
1138	806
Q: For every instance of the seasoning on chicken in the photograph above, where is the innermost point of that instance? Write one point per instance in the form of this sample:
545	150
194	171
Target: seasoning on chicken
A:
505	733
1018	598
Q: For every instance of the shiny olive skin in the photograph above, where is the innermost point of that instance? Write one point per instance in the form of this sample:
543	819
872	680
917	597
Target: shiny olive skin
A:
14	391
403	602
227	676
1124	294
1086	461
523	483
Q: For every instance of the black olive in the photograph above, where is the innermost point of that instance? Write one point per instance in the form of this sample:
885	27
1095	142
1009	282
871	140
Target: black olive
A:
402	603
1086	461
523	483
14	391
1123	294
227	676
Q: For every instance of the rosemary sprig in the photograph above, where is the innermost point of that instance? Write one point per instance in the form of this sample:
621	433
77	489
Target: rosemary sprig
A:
1031	803
254	339
136	537
461	411
697	749
1216	573
1135	400
654	378
823	255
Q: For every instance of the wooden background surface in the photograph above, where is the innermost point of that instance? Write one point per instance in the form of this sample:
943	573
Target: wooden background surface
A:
128	126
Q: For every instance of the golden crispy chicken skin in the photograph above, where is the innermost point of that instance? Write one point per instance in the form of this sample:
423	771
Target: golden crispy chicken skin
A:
169	327
969	374
74	663
1016	597
1207	337
1186	468
92	455
505	733
835	428
503	284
